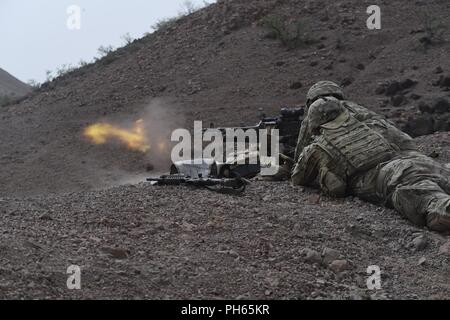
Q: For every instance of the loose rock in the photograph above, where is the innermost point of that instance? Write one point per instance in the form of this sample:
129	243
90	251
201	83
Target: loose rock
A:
440	105
445	249
329	255
420	243
312	256
338	266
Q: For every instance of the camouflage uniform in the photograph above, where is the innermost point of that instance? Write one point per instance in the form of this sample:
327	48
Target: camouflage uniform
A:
375	161
322	93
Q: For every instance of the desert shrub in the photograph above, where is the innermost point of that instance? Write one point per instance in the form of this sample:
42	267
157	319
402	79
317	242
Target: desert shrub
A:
103	51
59	72
82	64
4	100
291	35
34	84
49	76
64	69
164	23
434	30
127	39
187	8
106	54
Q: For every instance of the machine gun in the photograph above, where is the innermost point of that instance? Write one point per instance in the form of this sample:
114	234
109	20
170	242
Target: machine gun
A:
224	185
288	123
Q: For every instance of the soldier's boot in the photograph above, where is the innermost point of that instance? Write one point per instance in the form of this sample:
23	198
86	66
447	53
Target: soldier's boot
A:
438	213
424	203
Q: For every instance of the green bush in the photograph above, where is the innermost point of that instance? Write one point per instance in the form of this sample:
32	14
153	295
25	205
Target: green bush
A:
188	7
127	39
292	35
107	55
103	51
64	69
33	84
434	30
165	23
5	100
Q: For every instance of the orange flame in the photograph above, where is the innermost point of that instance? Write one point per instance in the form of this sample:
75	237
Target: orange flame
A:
134	139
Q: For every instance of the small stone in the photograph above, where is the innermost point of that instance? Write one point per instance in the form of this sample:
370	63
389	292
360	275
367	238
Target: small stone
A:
420	243
397	100
296	85
434	154
441	105
381	89
329	255
360	66
338	266
444	81
347	81
421	261
424	107
95	239
314	63
392	88
243	296
233	253
442	122
445	248
189	227
46	217
438	70
407	83
329	66
425	40
273	282
312	256
415	96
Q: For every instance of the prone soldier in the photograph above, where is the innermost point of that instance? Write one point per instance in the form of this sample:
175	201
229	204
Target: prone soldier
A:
348	150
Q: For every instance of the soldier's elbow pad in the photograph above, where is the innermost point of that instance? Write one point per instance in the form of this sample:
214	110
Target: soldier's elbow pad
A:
333	185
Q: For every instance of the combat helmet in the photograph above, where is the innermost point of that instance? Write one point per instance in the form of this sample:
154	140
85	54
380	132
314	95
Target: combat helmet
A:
324	89
323	111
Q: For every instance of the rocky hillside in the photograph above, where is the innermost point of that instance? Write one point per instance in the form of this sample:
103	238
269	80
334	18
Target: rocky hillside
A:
12	87
222	65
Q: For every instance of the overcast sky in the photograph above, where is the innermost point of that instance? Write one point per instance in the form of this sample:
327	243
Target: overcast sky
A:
35	36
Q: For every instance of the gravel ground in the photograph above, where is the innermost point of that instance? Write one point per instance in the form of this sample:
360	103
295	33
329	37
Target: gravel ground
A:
273	242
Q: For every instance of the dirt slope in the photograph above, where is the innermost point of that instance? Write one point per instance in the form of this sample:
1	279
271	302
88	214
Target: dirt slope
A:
10	86
216	65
